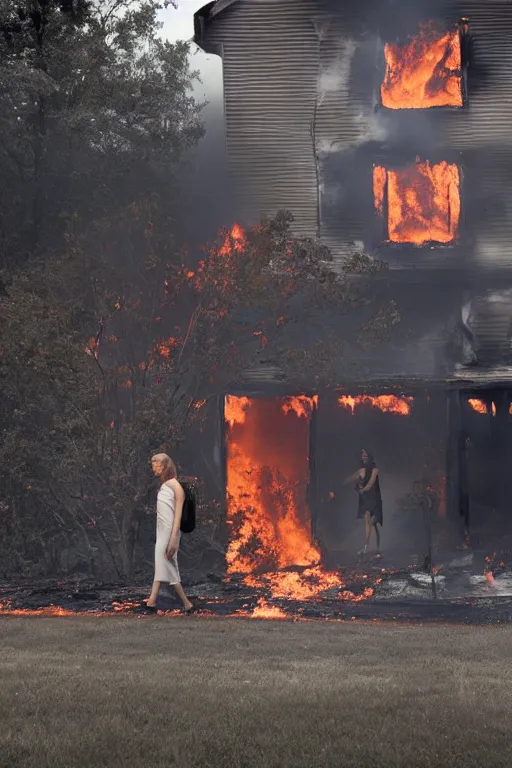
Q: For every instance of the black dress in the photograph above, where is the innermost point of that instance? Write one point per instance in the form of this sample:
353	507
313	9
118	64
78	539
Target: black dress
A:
371	501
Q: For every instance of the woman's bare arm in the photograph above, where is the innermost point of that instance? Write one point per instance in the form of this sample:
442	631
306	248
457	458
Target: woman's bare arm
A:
371	481
179	498
352	478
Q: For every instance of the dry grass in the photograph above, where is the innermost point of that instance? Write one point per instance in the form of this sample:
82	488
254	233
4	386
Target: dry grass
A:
190	692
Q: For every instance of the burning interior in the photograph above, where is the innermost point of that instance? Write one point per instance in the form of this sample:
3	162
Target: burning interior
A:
418	203
424	72
278	495
268	477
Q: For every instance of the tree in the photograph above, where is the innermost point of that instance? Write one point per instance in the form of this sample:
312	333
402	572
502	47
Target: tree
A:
96	113
113	343
115	363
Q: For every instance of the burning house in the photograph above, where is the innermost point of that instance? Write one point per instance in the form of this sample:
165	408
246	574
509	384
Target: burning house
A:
383	127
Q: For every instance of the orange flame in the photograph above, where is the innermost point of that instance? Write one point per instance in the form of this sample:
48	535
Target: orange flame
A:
380	177
302	406
385	403
425	72
477	405
267	479
235	241
423	202
235	409
296	586
265	611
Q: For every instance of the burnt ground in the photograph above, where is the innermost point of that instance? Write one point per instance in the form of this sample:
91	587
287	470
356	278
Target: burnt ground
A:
468	588
206	693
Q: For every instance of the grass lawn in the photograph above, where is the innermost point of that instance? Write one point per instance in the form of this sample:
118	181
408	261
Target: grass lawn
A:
196	692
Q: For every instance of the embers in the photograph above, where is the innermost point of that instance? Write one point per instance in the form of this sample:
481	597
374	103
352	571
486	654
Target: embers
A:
419	203
425	72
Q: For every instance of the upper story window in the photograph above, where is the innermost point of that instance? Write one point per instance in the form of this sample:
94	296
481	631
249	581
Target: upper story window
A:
424	72
419	203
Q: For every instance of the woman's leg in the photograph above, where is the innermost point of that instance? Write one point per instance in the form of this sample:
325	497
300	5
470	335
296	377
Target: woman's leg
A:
151	601
377	534
182	596
367	531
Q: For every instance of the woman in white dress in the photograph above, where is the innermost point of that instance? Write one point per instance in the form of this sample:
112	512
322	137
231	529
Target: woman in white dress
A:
168	519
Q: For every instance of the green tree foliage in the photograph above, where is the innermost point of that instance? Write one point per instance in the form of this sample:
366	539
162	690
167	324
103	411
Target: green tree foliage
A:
95	112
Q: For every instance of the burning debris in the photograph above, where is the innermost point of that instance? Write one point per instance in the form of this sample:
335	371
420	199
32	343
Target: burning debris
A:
419	203
424	72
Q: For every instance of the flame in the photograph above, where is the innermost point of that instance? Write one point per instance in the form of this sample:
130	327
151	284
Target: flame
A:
385	403
423	202
477	405
265	611
235	409
301	406
267	479
235	240
490	578
425	72
296	586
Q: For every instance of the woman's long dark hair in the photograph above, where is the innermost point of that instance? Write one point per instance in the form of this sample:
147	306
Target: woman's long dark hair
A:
369	465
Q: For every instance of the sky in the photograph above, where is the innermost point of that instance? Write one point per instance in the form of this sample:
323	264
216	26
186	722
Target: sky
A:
178	24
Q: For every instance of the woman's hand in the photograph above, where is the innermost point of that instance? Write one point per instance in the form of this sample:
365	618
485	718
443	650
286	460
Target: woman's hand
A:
172	547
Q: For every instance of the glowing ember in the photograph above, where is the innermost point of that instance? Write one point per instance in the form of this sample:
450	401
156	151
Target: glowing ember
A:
265	611
296	586
385	403
165	348
267	481
477	405
48	610
350	596
422	202
425	72
125	607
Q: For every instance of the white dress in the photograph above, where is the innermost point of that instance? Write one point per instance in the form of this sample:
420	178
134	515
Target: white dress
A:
165	570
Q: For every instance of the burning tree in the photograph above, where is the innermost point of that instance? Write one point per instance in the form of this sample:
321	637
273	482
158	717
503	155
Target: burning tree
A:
113	345
111	352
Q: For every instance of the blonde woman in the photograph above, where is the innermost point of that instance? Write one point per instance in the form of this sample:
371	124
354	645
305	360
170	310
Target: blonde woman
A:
168	519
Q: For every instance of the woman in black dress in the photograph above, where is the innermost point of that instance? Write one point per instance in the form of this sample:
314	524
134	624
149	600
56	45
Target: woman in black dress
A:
370	499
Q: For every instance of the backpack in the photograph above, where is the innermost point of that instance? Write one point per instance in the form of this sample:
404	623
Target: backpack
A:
188	514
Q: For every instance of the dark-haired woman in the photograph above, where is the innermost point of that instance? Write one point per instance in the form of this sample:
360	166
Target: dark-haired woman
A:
370	499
